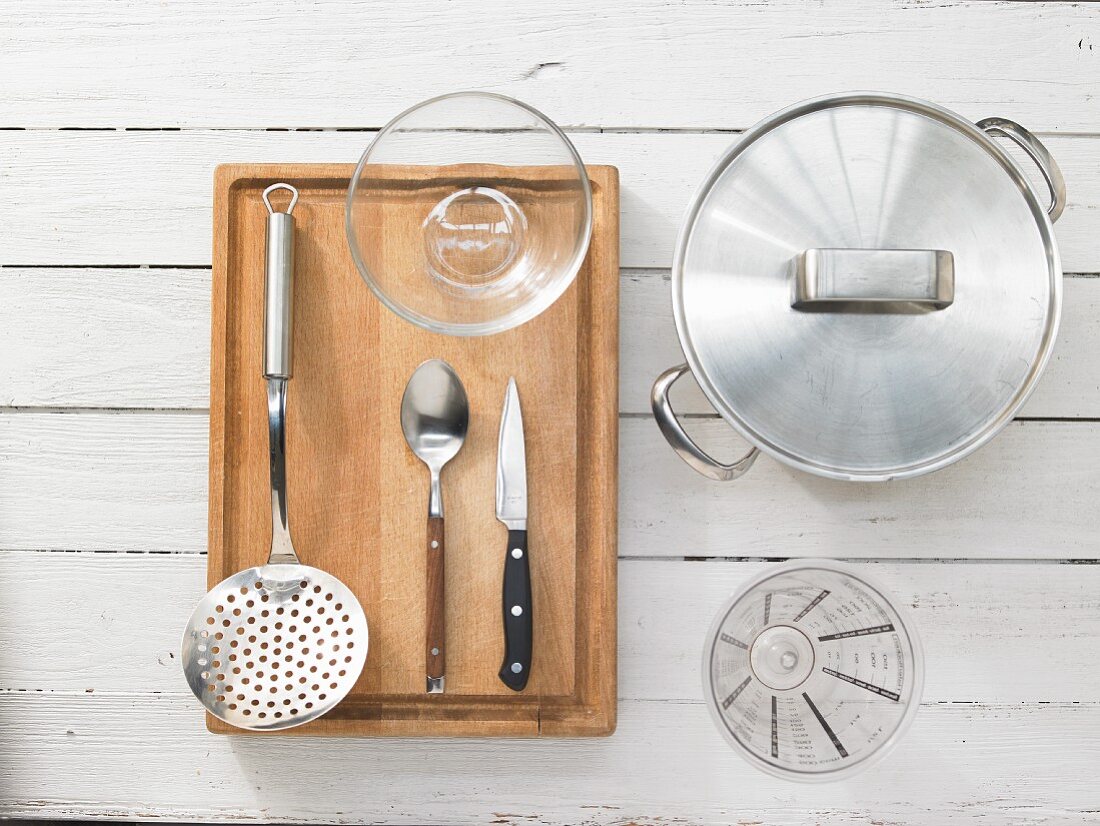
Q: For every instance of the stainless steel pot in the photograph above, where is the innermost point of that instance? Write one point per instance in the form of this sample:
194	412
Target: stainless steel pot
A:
865	287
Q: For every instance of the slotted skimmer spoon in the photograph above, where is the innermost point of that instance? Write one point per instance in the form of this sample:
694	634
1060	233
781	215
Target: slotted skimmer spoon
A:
280	644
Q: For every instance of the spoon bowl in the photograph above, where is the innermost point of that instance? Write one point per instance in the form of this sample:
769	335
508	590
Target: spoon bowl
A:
435	414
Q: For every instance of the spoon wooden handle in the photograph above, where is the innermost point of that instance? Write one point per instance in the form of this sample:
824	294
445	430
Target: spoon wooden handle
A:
435	638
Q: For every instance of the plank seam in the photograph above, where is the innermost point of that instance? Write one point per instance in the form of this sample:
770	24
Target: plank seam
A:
92	696
632	558
624	272
569	129
54	410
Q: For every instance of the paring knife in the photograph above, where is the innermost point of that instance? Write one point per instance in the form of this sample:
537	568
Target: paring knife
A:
512	511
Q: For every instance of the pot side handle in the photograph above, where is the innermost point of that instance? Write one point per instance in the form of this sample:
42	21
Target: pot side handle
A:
676	436
1037	152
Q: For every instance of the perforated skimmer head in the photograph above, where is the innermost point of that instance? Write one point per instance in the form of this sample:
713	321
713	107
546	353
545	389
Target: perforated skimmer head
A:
275	646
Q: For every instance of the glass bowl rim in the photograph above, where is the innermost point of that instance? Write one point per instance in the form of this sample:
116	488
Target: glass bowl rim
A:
528	309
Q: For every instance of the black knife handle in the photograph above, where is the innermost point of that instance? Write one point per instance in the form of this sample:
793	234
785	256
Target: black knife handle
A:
517	613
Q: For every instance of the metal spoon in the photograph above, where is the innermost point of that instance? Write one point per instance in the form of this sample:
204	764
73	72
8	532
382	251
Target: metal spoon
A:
434	416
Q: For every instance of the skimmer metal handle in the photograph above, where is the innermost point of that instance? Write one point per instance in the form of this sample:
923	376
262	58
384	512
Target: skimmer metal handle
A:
1037	152
676	436
279	286
278	322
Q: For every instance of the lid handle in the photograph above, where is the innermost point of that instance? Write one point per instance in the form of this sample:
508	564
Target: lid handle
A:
871	280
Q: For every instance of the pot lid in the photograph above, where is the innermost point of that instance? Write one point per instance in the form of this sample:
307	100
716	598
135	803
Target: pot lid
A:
866	287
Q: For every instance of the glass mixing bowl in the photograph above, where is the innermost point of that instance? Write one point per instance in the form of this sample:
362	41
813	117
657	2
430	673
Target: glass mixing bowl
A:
469	214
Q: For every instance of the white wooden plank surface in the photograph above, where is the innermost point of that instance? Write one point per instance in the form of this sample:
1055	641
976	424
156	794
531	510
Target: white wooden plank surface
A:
149	756
133	482
1011	729
1069	388
975	621
1030	493
103	482
621	63
107	337
139	338
144	197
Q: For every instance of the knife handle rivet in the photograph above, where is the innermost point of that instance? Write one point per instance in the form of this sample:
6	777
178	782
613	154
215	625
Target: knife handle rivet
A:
516	668
516	553
435	543
517	610
435	652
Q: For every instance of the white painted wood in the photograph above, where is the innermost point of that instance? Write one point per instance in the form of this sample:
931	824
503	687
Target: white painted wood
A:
1069	388
106	337
621	63
1011	729
145	197
992	633
137	482
140	338
148	756
1030	493
103	482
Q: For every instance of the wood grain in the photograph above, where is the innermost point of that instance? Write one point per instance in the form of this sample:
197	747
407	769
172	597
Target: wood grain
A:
435	623
356	492
972	509
136	338
137	482
1069	387
974	620
959	763
96	721
159	213
689	64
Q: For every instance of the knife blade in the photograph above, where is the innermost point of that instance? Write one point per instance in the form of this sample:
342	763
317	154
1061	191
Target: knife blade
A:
511	500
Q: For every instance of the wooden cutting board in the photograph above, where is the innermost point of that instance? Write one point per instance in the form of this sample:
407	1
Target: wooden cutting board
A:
358	497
